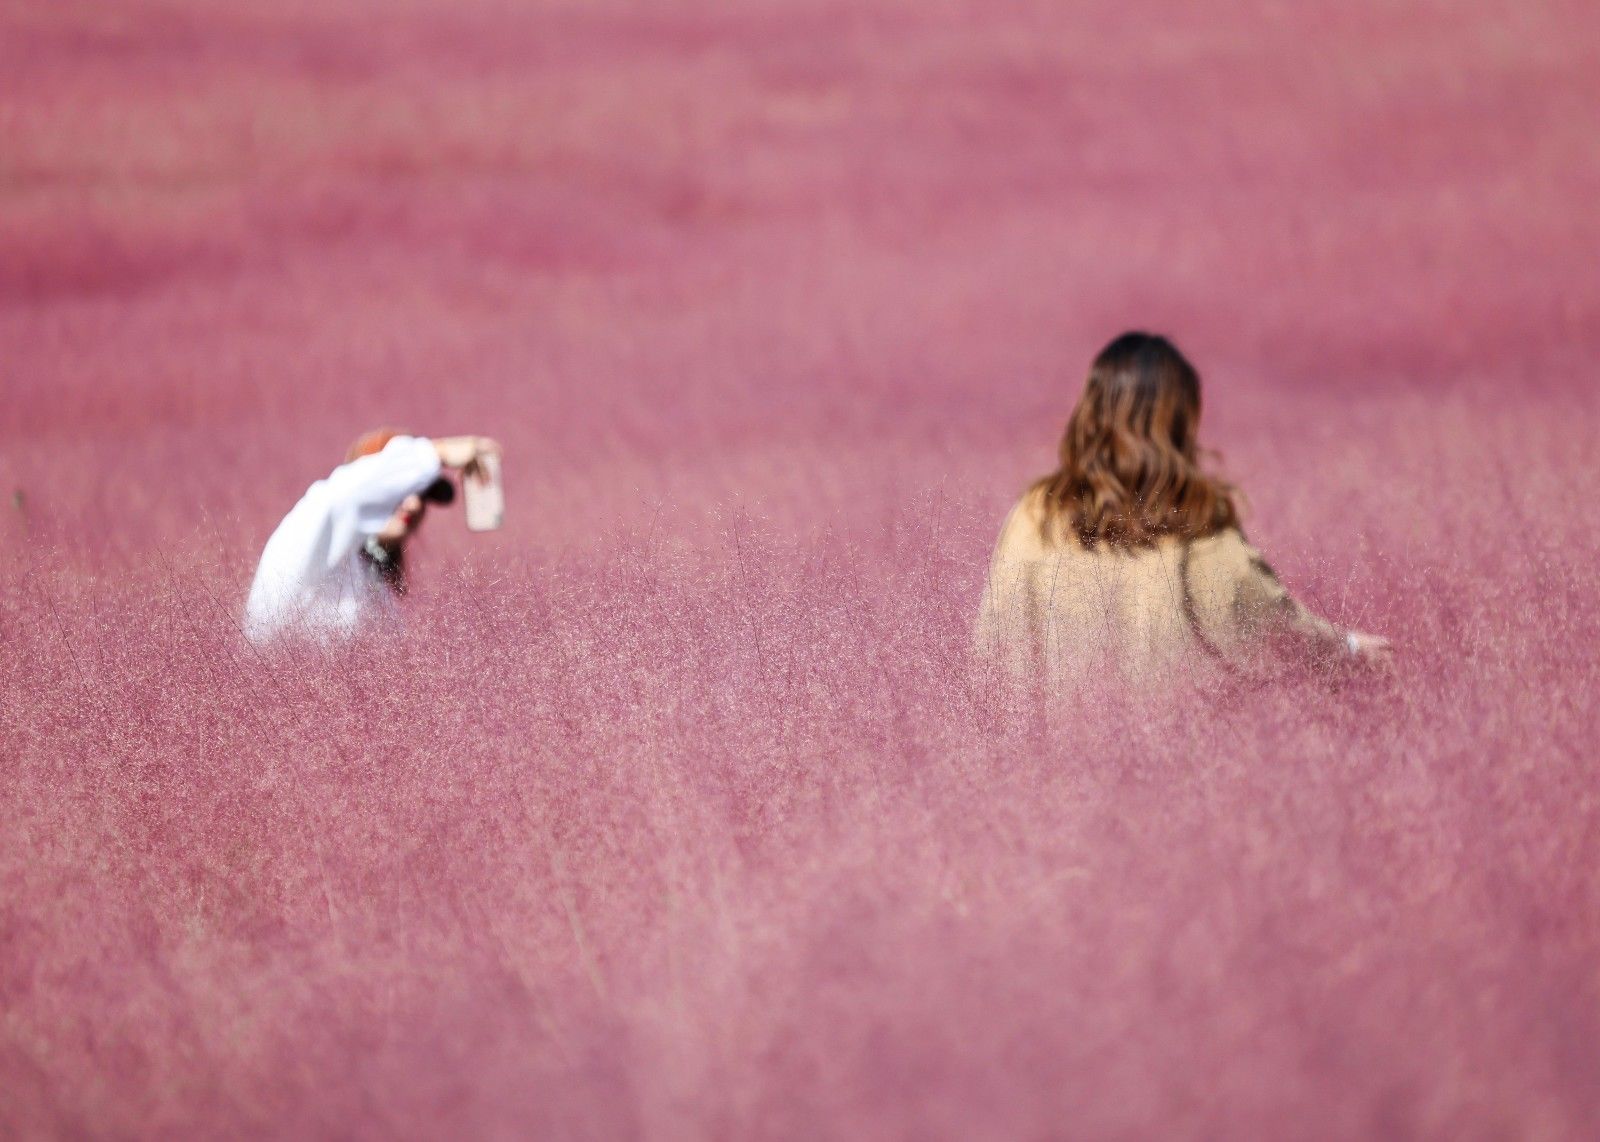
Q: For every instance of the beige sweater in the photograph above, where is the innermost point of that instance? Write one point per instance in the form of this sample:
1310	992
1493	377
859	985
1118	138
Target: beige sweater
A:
1057	610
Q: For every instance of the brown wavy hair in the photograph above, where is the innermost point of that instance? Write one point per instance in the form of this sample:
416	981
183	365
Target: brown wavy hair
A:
1130	469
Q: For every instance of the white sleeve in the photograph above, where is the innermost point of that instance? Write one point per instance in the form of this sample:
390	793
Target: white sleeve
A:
371	488
331	521
363	494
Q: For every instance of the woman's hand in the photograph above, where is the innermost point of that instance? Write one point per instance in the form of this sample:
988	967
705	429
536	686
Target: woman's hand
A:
1370	648
464	452
475	468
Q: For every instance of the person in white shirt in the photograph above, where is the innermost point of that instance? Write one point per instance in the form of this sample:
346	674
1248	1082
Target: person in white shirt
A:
339	555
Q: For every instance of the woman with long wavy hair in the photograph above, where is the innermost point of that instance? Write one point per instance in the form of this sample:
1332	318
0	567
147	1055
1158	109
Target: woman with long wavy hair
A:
1130	556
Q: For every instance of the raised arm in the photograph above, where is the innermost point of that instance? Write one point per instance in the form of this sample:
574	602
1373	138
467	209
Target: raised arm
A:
364	493
464	452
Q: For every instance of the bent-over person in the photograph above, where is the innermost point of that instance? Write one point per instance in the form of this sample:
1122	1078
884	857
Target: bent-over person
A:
338	557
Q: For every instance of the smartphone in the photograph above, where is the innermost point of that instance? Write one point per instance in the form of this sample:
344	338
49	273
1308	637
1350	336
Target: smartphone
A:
485	495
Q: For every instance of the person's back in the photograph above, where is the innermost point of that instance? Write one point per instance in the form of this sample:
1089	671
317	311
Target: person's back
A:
1128	560
1058	609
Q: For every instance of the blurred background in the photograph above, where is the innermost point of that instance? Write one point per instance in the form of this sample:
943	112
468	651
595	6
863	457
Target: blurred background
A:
674	254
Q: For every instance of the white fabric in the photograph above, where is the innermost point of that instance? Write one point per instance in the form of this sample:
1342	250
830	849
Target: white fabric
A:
311	576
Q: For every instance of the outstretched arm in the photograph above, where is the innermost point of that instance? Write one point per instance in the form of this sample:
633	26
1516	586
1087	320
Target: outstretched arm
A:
1265	606
365	493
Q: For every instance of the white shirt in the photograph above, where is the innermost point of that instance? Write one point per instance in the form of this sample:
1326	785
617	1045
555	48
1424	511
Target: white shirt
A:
311	576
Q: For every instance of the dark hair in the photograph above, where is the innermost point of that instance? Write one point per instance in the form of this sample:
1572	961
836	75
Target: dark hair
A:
441	492
1130	471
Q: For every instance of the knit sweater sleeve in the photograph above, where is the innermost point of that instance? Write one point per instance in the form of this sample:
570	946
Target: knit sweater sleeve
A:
1245	611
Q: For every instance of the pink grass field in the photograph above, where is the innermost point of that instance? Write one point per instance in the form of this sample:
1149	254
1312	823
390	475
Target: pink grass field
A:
677	809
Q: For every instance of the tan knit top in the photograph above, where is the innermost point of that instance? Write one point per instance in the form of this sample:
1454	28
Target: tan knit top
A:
1055	609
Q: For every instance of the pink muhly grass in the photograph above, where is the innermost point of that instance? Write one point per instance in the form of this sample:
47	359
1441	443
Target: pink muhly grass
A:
679	807
672	846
